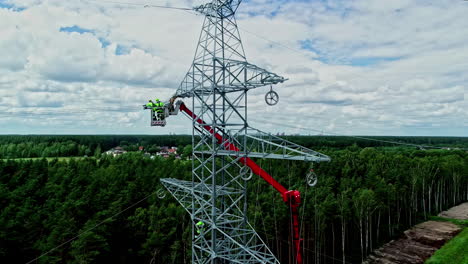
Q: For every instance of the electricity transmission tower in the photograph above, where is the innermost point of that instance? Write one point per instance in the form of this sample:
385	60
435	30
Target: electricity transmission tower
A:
218	82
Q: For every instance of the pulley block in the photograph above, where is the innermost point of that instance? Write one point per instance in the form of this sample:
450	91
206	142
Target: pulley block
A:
271	98
311	178
246	173
161	193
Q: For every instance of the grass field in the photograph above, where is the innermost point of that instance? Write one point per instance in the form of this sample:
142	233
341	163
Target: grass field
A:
454	251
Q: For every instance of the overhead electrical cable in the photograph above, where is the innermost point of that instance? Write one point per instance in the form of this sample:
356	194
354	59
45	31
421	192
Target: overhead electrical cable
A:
351	136
276	42
358	75
139	4
89	229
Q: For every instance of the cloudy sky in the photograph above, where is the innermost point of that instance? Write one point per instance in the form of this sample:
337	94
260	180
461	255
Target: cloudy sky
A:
364	67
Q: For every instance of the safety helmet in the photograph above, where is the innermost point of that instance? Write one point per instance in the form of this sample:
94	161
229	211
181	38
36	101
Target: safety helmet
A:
157	100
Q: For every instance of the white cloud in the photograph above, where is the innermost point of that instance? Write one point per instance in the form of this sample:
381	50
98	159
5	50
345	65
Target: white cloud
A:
373	67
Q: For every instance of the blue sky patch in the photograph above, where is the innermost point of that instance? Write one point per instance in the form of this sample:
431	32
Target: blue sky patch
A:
369	61
309	45
5	5
76	29
104	42
122	50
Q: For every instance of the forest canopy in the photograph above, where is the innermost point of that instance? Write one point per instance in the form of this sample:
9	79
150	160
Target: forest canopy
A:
365	196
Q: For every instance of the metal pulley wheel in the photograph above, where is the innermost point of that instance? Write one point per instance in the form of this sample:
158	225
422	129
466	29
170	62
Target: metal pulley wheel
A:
246	173
311	178
161	193
271	98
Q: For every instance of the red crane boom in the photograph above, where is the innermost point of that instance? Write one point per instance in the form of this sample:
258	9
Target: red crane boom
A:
291	197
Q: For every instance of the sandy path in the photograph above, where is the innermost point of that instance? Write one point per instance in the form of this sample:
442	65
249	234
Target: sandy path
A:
421	241
457	212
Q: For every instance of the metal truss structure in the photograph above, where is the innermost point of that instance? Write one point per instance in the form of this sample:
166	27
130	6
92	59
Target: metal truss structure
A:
267	146
223	144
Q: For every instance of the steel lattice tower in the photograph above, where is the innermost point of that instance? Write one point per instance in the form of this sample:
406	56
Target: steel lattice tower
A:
218	82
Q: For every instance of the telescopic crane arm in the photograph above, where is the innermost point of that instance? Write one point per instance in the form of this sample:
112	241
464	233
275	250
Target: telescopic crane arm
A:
291	197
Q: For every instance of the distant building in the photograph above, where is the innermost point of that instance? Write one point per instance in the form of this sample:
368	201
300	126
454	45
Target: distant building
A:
116	151
172	150
166	152
164	149
141	148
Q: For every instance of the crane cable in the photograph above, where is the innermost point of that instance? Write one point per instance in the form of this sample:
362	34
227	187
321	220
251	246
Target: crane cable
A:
301	228
274	207
307	249
256	199
291	219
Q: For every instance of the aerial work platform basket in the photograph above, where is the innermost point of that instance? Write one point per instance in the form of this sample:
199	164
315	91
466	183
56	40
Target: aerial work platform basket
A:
159	118
156	122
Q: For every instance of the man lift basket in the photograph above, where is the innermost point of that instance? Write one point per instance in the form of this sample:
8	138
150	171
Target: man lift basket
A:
160	111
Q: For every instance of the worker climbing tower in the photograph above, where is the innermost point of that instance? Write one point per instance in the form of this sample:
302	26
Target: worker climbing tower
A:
218	83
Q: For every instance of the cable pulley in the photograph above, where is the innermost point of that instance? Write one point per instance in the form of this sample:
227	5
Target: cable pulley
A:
311	178
246	173
271	98
161	193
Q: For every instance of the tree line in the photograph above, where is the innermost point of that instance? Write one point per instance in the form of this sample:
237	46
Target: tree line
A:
364	198
33	146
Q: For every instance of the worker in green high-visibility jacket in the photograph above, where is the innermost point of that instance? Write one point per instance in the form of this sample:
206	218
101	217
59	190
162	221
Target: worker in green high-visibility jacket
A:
151	105
159	109
200	228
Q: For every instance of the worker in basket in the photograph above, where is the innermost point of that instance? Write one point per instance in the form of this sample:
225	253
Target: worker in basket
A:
151	105
159	109
200	226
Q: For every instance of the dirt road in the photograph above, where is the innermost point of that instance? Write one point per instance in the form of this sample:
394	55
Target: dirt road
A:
421	241
458	212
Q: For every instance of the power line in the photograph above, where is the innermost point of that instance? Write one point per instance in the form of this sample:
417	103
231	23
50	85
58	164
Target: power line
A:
357	137
358	75
138	4
276	42
100	223
328	86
